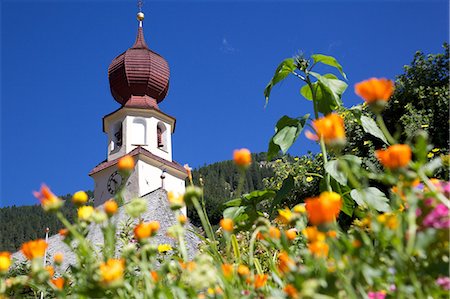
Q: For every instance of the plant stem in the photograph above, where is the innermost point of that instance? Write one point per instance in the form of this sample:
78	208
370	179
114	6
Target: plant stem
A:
384	129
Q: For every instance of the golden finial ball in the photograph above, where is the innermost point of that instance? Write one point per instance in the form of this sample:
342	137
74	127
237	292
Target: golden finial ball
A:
140	16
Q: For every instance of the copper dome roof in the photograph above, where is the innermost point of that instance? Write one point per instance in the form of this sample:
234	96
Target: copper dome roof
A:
138	72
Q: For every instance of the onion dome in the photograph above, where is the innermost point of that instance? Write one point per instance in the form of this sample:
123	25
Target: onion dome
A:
139	72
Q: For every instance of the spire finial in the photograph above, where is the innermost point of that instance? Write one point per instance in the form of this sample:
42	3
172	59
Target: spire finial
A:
140	14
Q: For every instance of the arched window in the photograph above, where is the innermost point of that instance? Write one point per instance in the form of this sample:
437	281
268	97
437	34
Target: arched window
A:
161	136
116	137
139	132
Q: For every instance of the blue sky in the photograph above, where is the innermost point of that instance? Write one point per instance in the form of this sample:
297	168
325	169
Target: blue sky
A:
55	56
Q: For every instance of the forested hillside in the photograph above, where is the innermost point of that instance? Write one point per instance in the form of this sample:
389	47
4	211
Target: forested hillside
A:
20	224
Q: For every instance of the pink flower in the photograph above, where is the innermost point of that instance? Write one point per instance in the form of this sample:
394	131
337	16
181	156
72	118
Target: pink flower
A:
376	295
444	282
438	217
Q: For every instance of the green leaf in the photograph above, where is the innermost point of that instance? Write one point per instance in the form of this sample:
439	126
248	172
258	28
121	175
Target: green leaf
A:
233	203
287	186
235	213
432	166
329	93
287	131
306	92
286	67
328	60
371	197
371	127
257	196
332	167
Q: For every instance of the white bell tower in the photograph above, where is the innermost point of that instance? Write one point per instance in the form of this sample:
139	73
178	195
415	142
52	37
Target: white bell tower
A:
139	80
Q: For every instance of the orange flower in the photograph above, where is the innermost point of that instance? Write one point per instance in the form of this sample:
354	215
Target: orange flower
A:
242	157
110	207
291	291
50	270
395	156
34	249
274	232
111	272
154	275
356	243
58	258
260	280
187	266
80	198
58	282
318	248
374	90
285	263
188	171
126	163
243	270
5	261
313	234
324	208
332	234
331	129
291	234
227	270
146	229
63	232
49	201
227	224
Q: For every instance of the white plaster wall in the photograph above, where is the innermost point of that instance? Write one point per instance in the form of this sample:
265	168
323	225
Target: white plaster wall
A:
151	145
150	179
101	193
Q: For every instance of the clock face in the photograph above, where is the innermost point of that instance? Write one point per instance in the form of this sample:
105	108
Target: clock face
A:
114	182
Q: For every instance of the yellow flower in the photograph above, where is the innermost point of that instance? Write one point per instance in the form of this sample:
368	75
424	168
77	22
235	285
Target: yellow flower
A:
164	248
126	164
430	155
5	261
58	258
34	249
313	234
80	198
49	201
111	272
309	179
389	219
300	208
182	219
85	212
285	215
242	157
227	225
176	200
243	270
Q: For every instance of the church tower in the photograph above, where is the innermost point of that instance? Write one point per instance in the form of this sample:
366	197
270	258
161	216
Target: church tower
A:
139	81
